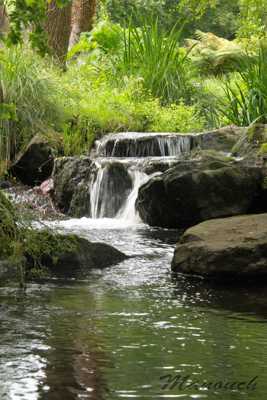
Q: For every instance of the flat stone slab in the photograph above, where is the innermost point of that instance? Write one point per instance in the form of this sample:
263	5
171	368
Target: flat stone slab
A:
225	248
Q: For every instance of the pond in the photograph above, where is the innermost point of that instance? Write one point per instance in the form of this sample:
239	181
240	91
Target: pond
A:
132	331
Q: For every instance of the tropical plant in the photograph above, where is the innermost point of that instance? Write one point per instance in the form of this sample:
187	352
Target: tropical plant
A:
154	56
215	55
245	98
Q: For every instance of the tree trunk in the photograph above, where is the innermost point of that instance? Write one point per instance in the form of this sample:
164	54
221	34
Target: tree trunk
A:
58	27
3	20
83	13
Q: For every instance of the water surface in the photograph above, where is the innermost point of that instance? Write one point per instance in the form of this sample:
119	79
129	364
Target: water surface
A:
124	332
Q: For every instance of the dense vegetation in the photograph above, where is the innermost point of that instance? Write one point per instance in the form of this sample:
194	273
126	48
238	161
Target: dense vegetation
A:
145	66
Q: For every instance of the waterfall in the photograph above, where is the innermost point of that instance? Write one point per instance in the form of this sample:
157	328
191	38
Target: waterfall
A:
95	192
128	211
125	161
134	144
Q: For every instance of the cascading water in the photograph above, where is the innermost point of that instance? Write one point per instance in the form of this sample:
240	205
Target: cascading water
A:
125	161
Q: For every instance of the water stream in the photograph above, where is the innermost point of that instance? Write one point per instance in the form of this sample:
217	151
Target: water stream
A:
124	332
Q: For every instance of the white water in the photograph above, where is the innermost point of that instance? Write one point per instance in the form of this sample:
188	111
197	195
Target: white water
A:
128	212
101	194
95	192
134	152
137	144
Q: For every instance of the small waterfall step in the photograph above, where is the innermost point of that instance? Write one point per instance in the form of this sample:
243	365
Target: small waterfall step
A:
146	144
137	144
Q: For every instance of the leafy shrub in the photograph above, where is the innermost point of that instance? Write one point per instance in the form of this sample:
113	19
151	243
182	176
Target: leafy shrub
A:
28	99
178	118
154	56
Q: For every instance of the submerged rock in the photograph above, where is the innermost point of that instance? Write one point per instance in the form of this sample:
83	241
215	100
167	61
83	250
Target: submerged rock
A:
68	256
183	197
230	248
35	164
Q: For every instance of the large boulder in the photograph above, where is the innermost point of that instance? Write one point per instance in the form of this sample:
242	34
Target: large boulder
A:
67	256
183	197
35	163
229	248
71	177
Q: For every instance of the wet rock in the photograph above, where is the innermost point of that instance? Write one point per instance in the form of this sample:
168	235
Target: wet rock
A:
138	144
68	256
181	198
71	177
35	163
8	225
222	139
231	248
251	143
5	184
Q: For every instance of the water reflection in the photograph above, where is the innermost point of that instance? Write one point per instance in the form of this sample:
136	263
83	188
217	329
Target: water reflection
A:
115	335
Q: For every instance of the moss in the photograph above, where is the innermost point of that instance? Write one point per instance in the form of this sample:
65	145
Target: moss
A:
43	245
8	227
263	149
257	133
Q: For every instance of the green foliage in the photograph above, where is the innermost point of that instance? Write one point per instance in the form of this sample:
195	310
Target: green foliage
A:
105	37
99	107
215	55
217	16
252	20
154	56
8	227
245	99
28	99
178	118
263	149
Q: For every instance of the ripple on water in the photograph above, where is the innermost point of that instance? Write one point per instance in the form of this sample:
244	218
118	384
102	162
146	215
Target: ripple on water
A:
117	334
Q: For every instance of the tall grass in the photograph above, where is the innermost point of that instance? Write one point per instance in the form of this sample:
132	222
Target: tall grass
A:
245	97
28	99
155	57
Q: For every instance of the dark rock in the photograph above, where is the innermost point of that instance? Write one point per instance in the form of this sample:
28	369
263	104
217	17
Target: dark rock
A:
5	184
8	272
71	191
229	248
69	256
35	163
181	198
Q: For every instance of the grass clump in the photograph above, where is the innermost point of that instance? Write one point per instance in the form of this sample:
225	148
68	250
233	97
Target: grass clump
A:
28	99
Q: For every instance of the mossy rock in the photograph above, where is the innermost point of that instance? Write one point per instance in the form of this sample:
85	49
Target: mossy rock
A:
263	149
66	256
34	164
8	226
249	145
257	133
